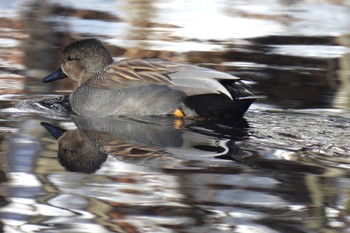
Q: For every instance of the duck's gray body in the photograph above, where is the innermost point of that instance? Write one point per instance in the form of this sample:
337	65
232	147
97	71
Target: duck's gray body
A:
150	99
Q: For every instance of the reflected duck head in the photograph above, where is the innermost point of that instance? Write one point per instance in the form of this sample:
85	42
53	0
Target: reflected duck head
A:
76	152
81	60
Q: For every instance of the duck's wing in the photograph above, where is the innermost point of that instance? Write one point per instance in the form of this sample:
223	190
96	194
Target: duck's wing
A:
195	80
190	79
133	72
125	148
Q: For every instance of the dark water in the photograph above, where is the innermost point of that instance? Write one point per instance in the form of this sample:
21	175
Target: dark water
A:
283	168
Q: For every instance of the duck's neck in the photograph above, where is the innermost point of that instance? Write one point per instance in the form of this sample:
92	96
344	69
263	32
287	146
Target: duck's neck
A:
92	71
84	77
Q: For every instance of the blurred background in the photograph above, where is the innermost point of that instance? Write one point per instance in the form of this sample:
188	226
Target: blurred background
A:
284	168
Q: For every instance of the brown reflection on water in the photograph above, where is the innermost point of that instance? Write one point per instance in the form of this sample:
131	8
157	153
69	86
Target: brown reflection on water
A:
3	177
343	95
42	46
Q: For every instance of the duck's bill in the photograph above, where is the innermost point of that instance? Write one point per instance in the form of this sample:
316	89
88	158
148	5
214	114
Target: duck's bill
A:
55	131
58	74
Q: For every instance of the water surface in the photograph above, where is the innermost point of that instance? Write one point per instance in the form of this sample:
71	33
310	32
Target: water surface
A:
283	168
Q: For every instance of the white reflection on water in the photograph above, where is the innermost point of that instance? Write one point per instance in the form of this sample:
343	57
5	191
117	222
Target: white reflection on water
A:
7	43
145	180
335	19
316	51
21	179
249	228
207	20
10	8
219	20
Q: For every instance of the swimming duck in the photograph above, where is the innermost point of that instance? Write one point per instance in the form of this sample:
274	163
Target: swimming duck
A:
147	86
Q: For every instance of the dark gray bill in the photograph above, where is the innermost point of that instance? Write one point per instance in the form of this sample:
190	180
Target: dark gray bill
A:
55	131
58	74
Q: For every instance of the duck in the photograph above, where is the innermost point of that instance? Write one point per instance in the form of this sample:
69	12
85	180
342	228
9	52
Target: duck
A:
147	86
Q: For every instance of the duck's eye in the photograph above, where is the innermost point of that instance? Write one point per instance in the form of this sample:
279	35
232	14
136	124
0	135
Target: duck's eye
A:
70	58
66	151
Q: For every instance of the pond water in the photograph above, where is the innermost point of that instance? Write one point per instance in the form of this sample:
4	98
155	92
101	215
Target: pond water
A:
285	167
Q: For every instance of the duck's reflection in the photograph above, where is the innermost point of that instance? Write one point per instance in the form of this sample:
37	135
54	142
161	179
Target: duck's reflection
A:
165	140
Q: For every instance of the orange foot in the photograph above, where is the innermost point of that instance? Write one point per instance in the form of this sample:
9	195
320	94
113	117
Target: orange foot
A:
178	113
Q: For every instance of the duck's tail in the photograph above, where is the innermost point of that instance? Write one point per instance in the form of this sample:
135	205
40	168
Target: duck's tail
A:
242	94
220	106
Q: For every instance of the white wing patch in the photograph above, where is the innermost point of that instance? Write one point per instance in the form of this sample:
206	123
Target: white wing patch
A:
201	80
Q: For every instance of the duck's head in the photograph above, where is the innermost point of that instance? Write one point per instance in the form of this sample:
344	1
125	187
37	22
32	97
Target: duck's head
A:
81	60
